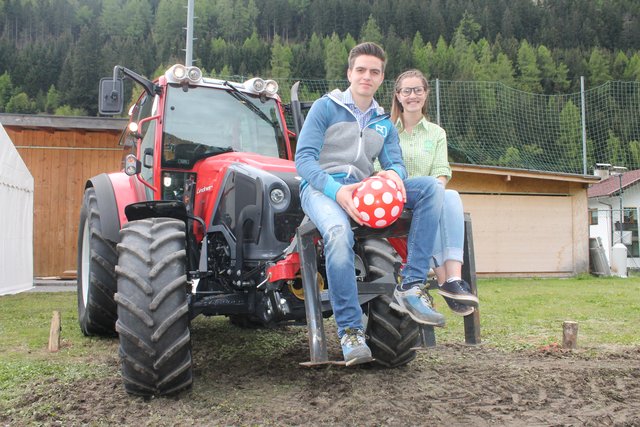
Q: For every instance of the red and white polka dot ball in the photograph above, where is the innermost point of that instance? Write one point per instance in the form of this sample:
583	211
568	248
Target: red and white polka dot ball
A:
379	201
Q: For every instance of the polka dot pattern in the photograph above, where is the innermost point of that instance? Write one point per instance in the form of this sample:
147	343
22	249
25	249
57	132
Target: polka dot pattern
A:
379	201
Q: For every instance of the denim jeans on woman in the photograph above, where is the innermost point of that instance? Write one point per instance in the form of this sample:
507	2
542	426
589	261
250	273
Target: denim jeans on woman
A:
424	197
450	237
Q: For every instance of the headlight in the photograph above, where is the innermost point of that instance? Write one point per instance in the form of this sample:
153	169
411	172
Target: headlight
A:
255	84
277	196
180	74
271	87
194	74
260	86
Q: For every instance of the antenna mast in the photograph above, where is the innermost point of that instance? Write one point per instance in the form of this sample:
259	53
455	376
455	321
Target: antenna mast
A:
189	50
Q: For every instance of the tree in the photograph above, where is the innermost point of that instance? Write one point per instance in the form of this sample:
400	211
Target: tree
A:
467	31
6	90
443	66
281	57
218	53
254	52
371	31
598	68
110	21
503	70
335	59
139	18
619	65
529	78
20	104
53	100
308	59
569	142
632	71
420	54
79	76
553	78
66	110
484	68
168	32
511	158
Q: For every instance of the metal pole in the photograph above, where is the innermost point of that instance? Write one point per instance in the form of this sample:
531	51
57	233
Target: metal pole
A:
621	208
619	171
189	50
584	127
438	102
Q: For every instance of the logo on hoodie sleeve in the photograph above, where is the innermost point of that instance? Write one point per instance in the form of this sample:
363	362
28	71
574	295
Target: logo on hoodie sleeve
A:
382	130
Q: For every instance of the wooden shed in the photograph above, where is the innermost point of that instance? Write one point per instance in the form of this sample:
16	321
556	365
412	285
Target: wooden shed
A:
61	153
525	223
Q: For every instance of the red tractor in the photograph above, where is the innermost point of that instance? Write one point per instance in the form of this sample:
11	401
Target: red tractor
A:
205	219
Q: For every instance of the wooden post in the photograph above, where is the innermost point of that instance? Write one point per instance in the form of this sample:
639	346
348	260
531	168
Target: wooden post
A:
569	335
54	332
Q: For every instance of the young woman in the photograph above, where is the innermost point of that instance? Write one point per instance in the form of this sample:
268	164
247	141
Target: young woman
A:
424	150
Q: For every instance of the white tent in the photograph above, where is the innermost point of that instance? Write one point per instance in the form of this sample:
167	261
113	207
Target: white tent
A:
16	220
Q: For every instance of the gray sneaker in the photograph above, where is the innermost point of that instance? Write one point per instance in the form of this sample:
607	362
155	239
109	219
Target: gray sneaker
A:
417	305
354	347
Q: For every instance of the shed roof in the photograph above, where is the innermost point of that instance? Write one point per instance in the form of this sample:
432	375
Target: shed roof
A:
612	184
88	124
524	173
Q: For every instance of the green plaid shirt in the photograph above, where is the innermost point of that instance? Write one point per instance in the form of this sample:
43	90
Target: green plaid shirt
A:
425	150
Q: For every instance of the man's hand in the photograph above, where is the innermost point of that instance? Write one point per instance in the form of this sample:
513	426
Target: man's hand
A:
393	176
345	200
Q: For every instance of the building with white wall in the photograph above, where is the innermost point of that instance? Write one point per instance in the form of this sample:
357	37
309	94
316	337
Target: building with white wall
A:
613	213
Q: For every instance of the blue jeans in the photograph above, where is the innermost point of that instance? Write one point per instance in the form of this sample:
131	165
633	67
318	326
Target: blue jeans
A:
450	237
424	198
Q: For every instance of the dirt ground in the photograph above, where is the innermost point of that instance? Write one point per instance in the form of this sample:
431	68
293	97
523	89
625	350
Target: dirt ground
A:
449	385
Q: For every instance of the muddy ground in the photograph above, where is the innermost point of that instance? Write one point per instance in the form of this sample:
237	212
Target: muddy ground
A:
236	384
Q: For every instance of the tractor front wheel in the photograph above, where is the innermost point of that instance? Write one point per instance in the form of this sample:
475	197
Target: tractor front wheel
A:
153	311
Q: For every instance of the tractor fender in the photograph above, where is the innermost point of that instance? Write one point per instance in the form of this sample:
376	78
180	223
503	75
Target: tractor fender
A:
107	206
114	192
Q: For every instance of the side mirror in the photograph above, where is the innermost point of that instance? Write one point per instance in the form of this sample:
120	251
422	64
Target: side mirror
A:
111	96
147	159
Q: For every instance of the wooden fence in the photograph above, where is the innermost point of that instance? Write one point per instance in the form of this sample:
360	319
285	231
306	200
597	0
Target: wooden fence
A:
61	160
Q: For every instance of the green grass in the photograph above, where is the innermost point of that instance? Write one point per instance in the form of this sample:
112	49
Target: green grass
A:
25	321
515	314
522	313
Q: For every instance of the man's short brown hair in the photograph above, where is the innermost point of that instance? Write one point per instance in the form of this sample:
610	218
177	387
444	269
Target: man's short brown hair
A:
367	48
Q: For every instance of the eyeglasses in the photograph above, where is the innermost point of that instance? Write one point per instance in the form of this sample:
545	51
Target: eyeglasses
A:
406	91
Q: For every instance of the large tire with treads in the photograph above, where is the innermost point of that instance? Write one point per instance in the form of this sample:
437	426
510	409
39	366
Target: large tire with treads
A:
97	258
153	312
391	336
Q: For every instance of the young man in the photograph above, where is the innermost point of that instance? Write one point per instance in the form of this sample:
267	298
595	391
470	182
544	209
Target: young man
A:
342	135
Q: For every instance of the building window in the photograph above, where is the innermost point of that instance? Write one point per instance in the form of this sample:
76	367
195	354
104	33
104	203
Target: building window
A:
630	233
593	216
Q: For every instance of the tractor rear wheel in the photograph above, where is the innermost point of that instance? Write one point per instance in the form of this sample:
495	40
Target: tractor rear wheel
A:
390	335
97	284
153	311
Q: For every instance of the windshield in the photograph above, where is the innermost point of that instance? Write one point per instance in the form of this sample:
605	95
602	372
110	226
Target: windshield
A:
200	122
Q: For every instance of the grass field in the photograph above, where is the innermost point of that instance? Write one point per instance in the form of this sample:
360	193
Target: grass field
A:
515	314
